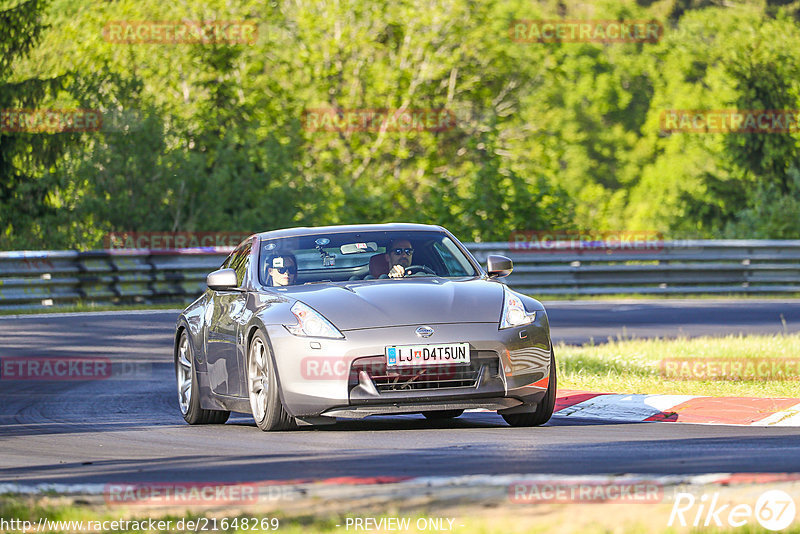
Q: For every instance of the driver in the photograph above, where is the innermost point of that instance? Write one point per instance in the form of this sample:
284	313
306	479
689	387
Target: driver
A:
399	256
282	270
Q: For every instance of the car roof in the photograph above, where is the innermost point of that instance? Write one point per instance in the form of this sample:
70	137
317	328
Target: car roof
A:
322	230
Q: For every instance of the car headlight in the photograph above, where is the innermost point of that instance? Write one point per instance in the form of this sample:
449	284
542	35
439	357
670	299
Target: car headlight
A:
311	323
514	313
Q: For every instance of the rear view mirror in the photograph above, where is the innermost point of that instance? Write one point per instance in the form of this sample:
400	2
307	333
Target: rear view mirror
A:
223	279
499	265
359	248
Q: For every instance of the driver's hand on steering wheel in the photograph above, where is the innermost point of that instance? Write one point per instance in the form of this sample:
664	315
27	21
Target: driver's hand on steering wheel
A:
398	271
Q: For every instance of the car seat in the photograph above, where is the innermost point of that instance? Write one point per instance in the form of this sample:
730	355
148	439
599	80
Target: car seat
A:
378	265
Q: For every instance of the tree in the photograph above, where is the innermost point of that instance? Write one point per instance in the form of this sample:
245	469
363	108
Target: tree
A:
26	157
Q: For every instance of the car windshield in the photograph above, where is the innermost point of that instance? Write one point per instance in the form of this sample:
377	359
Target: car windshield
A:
338	257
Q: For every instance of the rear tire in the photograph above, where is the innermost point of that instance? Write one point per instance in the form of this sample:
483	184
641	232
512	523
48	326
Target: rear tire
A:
442	414
262	385
189	392
544	410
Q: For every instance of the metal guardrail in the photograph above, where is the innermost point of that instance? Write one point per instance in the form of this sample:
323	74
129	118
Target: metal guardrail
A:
31	279
668	267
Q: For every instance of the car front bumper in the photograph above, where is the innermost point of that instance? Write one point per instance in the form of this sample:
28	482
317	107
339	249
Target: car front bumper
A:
321	376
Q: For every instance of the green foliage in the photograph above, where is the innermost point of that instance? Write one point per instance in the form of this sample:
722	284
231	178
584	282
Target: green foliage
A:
547	135
772	212
700	184
25	159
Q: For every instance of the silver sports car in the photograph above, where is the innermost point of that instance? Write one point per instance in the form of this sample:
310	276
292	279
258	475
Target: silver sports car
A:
305	325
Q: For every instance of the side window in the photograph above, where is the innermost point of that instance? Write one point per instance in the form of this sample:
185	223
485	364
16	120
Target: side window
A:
240	261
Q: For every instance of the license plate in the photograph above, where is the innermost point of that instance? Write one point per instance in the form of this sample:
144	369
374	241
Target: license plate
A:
422	355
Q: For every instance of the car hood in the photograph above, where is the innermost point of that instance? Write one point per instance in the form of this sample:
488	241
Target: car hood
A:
380	303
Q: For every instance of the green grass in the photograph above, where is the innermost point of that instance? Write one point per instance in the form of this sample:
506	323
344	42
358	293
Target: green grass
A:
34	507
632	366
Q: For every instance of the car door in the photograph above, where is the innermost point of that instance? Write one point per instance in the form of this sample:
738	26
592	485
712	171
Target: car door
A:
225	373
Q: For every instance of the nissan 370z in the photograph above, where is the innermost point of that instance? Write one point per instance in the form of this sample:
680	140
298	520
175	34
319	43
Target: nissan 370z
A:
307	325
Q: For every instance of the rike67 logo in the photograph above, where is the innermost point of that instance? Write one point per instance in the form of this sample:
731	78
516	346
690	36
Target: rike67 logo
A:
774	510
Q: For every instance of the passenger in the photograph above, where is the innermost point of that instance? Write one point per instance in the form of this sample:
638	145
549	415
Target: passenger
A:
282	270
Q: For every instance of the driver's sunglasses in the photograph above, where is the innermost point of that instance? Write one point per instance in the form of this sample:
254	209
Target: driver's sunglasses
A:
398	251
283	270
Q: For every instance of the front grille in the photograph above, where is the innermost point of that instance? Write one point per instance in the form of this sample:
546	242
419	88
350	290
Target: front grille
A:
421	378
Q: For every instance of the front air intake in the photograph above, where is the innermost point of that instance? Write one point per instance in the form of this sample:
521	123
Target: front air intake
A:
425	378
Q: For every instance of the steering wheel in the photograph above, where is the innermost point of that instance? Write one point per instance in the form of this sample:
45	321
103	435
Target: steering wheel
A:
412	269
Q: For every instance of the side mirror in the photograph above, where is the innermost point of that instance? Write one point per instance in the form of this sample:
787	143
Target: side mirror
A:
499	265
222	280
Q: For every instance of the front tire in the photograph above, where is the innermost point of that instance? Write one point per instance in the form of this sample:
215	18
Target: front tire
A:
188	391
544	410
262	385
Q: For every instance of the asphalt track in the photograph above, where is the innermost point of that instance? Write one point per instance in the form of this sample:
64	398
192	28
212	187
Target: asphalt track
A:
130	430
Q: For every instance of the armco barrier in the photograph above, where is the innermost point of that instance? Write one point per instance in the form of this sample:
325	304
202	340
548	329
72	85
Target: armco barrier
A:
30	279
669	267
50	278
